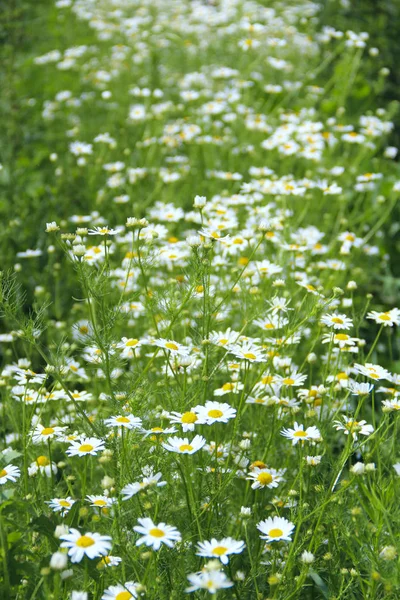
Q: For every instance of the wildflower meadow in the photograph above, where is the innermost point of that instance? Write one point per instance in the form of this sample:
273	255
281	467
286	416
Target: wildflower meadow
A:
200	367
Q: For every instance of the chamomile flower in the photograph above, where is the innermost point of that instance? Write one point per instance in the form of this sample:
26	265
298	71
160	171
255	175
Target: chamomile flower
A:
211	580
109	561
215	412
337	321
188	419
100	501
86	446
9	473
352	427
375	372
220	548
45	434
151	480
248	352
105	230
89	544
173	347
299	434
154	535
265	477
125	421
183	445
61	505
387	319
390	405
121	592
291	379
360	389
231	387
43	466
276	529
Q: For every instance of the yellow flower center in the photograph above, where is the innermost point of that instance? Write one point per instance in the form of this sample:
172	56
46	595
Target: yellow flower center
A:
288	381
215	413
64	503
300	433
341	376
123	420
156	532
3	473
131	343
171	346
157	429
219	550
385	317
185	448
264	478
123	596
47	431
337	320
275	533
85	541
85	448
189	417
227	387
342	337
267	380
223	341
42	461
269	326
250	356
100	503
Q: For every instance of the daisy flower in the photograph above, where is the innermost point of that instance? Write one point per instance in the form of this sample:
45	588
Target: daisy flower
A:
42	465
174	347
210	580
62	505
188	419
275	529
215	412
105	230
231	387
292	379
299	434
279	305
150	480
183	446
44	434
128	346
248	352
86	446
337	321
373	371
390	405
341	339
121	592
360	389
264	477
387	319
155	535
350	426
9	473
100	501
220	549
109	561
90	544
126	421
